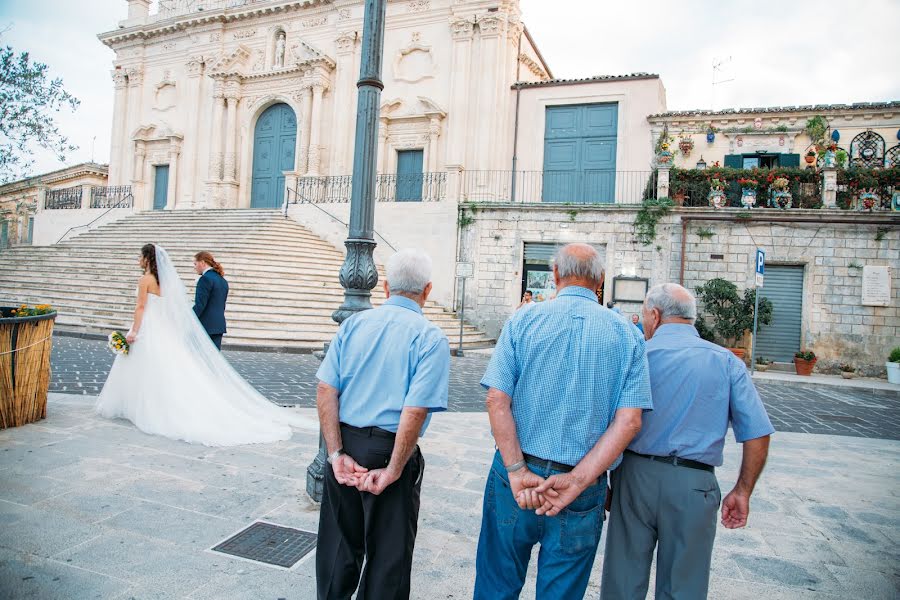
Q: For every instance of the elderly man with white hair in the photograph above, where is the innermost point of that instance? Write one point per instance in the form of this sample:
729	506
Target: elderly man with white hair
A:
566	388
385	372
665	495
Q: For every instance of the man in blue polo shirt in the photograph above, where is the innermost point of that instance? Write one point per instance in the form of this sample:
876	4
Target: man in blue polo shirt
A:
665	492
566	388
386	371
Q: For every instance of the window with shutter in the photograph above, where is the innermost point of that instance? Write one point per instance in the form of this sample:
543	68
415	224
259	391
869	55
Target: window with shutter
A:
734	161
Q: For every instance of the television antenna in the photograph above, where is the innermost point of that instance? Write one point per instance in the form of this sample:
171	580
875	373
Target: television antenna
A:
718	69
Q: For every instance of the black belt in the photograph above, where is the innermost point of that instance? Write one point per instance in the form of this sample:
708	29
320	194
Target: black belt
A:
370	431
541	463
678	462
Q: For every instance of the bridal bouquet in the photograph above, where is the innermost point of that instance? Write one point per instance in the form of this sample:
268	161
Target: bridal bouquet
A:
117	343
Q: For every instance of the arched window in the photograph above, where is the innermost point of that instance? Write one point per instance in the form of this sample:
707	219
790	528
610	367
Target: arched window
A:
892	158
867	150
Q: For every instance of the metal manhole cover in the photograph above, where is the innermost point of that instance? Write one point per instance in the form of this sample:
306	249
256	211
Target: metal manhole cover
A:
841	419
271	544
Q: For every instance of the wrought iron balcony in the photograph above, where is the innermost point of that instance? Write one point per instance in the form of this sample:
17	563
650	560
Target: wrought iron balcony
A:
562	187
63	199
116	196
422	187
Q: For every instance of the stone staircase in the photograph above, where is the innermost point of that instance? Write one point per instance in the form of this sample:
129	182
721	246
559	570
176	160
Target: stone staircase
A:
283	278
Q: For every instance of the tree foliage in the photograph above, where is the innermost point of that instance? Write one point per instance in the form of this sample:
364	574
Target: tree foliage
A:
732	313
29	101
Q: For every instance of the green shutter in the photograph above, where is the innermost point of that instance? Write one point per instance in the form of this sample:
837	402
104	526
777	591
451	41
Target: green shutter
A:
789	160
734	161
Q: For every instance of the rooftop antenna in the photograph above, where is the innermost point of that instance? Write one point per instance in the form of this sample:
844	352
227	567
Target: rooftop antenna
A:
718	68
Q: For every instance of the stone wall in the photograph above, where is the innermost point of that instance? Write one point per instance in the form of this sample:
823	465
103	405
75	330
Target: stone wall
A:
835	325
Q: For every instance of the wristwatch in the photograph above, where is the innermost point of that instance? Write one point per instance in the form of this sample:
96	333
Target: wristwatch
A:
335	455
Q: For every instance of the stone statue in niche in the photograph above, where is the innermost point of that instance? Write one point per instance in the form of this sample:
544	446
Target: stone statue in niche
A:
279	50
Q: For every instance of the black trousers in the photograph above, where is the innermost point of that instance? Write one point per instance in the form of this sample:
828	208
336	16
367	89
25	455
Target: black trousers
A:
216	339
356	525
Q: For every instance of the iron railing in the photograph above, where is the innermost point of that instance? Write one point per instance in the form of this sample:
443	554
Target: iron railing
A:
114	196
423	187
562	187
62	199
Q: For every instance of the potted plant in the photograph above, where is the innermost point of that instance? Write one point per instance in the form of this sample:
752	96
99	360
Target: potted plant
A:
893	366
679	189
716	195
710	134
841	158
804	362
732	313
663	148
762	363
810	157
748	191
780	193
26	338
686	144
847	371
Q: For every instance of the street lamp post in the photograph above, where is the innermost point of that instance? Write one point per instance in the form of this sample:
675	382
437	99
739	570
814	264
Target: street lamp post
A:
358	274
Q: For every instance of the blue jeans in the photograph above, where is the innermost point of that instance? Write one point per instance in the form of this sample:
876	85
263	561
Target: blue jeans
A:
508	533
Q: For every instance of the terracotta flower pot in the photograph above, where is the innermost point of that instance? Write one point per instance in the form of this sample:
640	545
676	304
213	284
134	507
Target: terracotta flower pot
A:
804	367
848	374
810	158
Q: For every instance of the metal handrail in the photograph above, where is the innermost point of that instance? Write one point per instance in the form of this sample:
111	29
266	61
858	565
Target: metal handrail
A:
287	201
106	212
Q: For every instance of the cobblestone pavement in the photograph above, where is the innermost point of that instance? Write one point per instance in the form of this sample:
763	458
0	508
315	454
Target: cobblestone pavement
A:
80	366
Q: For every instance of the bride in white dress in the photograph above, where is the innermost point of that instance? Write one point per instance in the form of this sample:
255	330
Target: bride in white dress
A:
175	383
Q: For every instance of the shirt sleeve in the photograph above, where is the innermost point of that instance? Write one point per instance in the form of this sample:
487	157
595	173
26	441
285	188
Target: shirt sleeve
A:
746	411
430	383
330	370
636	389
502	372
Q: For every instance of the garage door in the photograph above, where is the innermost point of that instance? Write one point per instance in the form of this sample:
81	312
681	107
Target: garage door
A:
783	286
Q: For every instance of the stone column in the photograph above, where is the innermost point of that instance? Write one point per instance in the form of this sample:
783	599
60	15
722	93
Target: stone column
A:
133	118
138	9
232	94
662	181
434	130
829	187
305	120
117	142
492	29
462	31
384	147
190	191
343	104
215	154
86	196
315	128
171	193
137	184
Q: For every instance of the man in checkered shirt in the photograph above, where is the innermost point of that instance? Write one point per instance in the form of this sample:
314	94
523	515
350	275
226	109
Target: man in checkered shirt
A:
567	385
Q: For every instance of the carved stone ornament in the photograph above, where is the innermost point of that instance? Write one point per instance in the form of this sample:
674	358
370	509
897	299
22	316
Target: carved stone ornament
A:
419	5
194	66
490	25
344	14
345	42
461	29
244	34
119	78
414	62
135	76
215	36
315	22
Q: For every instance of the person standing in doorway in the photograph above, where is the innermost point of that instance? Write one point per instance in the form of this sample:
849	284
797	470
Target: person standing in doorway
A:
210	296
526	300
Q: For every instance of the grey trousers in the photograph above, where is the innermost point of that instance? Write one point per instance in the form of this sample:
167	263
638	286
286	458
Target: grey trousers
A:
671	509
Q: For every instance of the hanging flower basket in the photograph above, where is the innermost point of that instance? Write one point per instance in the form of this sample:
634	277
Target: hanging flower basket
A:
686	145
25	344
810	158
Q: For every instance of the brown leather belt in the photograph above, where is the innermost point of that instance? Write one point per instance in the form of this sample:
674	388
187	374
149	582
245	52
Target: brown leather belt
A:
676	461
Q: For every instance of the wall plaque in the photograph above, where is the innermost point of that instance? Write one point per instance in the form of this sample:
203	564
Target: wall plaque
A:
876	286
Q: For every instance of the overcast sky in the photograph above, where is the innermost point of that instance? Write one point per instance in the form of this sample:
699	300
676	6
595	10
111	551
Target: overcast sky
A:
781	52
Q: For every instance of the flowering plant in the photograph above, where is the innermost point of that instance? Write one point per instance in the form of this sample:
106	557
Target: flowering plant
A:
748	183
717	184
117	343
780	183
25	311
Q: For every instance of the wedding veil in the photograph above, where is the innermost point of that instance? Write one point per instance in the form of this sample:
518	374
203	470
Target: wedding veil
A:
231	388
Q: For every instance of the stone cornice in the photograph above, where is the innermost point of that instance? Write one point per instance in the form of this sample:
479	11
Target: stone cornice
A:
892	107
187	21
87	168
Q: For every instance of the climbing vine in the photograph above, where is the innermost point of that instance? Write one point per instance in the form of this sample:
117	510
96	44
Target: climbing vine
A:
652	210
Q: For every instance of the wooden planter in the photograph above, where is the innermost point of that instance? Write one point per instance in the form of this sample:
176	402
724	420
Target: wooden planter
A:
25	344
804	367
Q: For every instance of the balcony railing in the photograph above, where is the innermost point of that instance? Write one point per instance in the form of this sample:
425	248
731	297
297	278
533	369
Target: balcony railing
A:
423	187
63	199
561	187
116	196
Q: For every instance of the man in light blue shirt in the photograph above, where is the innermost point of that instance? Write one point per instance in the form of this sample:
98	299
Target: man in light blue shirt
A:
665	492
567	384
386	371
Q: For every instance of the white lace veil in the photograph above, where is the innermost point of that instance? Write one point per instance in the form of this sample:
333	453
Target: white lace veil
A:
178	313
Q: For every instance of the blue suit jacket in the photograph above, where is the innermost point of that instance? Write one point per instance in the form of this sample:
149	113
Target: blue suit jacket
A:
209	302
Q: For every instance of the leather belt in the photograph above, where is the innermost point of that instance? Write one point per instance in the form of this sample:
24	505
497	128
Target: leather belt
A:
676	461
370	431
542	463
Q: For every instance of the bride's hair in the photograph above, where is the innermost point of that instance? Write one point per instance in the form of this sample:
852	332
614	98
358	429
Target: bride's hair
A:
208	259
148	253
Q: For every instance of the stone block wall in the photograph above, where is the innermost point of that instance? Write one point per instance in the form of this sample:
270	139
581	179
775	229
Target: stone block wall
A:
835	325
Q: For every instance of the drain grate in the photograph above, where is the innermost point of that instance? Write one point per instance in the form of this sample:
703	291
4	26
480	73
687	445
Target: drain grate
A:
842	419
271	544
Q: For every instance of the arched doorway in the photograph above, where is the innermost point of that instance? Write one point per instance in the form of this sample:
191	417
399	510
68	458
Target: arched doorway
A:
274	141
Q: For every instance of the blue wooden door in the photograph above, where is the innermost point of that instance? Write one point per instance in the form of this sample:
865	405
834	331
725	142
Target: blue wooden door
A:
783	286
4	234
409	175
580	153
274	141
160	186
30	230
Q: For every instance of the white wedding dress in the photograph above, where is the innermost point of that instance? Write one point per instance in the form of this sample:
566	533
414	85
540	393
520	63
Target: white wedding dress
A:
175	383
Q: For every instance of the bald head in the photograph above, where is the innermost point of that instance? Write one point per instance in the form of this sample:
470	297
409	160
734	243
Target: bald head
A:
578	264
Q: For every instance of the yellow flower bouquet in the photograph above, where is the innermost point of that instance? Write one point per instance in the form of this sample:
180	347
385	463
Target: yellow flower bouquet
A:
117	343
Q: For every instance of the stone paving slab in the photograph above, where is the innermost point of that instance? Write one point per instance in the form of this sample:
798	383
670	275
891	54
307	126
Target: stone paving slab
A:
80	366
93	508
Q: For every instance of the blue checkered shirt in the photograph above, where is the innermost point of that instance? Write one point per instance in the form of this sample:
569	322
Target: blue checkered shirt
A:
568	364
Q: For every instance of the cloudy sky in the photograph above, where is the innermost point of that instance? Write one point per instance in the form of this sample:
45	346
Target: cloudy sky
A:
781	53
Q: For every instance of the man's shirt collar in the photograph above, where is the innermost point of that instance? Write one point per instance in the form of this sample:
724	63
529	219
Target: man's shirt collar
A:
577	290
676	329
403	302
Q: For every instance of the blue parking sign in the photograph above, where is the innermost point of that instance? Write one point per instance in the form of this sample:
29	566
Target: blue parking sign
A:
760	266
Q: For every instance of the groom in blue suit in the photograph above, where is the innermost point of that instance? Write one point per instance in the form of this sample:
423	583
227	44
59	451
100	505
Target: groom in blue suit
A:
212	292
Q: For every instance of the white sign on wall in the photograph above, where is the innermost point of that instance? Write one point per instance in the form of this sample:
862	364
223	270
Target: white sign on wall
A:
876	286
